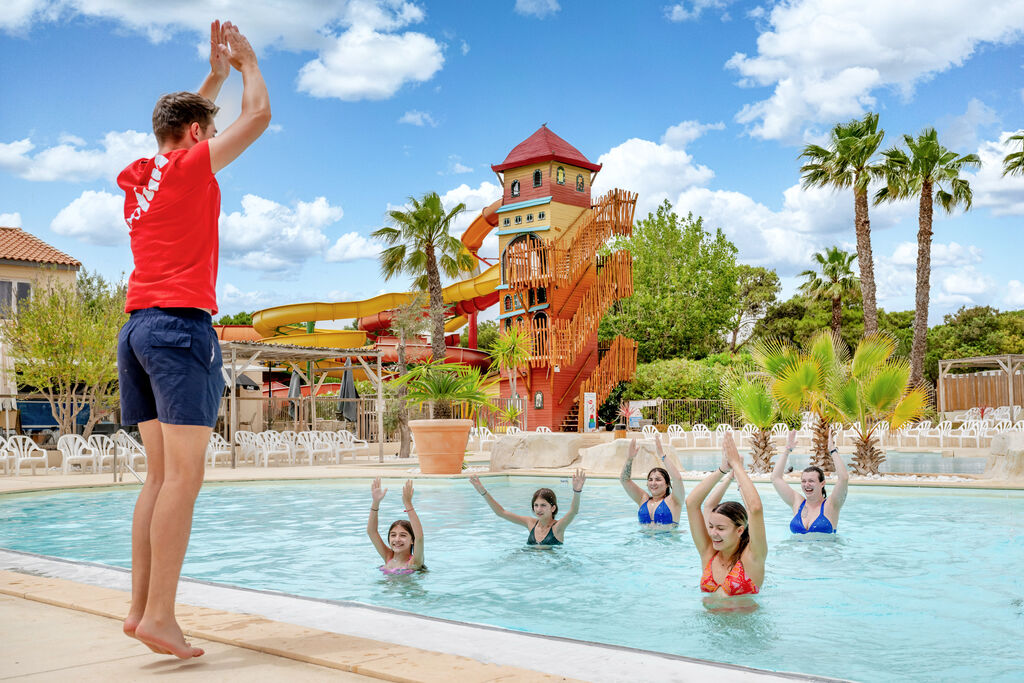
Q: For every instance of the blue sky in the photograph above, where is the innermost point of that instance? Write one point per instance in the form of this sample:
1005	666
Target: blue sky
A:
705	103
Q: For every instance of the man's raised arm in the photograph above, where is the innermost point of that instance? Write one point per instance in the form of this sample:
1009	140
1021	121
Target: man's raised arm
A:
220	67
255	116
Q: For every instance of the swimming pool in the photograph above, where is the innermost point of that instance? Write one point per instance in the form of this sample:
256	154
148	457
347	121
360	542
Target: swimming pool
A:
920	585
904	462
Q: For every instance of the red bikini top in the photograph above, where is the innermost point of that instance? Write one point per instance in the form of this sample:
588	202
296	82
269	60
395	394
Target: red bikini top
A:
736	581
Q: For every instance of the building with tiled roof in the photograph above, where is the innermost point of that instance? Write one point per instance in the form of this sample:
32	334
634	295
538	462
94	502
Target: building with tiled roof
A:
27	262
544	145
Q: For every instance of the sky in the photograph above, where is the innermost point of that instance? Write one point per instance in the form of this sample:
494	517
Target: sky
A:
704	103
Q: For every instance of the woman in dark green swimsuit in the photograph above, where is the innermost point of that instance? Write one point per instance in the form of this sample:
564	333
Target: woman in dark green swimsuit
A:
544	528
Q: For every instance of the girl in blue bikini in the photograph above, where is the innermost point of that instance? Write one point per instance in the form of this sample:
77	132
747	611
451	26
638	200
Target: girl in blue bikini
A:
663	503
403	553
545	530
815	511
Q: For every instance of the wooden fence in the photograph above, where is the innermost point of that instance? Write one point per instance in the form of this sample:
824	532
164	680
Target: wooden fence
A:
689	411
988	388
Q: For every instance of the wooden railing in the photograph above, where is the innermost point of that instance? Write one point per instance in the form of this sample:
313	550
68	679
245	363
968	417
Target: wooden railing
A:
617	365
542	263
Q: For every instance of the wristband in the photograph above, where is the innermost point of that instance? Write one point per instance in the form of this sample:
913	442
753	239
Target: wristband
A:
834	450
409	510
484	493
579	491
721	470
374	509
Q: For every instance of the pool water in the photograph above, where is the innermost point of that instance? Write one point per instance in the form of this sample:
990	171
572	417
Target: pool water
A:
920	584
903	462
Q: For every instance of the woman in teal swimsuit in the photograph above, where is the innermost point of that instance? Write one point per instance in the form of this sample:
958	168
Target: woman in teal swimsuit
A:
664	502
545	530
815	511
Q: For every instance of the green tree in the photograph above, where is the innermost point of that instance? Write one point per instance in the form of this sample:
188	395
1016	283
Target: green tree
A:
406	322
1013	163
797	319
835	283
684	288
930	172
849	162
487	333
973	331
510	351
757	288
240	318
65	341
423	247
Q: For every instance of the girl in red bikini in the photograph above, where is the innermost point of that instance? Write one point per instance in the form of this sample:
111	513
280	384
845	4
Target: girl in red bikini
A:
731	540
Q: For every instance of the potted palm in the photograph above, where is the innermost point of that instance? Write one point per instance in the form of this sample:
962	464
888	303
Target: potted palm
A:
750	396
626	412
449	387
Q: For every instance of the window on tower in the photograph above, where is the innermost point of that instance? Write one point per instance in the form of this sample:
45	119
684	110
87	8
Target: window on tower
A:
560	176
537	177
515	188
541	215
529	218
579	183
519	219
507	221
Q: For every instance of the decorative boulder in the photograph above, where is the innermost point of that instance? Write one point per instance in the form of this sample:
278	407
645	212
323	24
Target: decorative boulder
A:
608	458
531	450
1006	459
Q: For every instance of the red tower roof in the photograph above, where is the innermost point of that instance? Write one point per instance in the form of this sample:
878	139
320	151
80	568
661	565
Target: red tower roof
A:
544	145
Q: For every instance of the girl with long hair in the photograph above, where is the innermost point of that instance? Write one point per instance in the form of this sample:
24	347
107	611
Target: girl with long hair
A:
403	552
815	511
662	503
545	528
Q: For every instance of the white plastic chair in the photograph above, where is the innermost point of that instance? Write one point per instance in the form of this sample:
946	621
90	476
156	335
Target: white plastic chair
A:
26	452
272	444
483	435
745	435
700	432
314	445
106	450
248	447
720	431
675	431
132	449
649	432
6	456
74	450
970	430
218	447
357	445
339	445
543	429
512	429
941	431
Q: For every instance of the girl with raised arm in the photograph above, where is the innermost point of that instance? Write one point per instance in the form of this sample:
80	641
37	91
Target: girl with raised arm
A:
545	529
731	541
662	503
815	511
403	553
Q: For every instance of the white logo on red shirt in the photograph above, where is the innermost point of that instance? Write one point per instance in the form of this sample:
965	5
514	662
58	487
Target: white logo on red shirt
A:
144	198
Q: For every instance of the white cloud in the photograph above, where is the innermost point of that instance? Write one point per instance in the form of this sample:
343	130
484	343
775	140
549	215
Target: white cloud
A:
275	128
475	199
274	238
967	281
351	247
231	298
418	118
1014	294
825	59
94	217
465	48
682	11
537	8
359	54
961	132
952	254
10	220
1004	195
685	132
67	161
364	64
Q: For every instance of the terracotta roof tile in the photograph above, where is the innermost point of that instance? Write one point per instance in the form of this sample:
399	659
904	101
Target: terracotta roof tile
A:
18	245
542	146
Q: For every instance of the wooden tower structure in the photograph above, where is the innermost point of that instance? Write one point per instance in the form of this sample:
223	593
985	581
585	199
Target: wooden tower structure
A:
554	282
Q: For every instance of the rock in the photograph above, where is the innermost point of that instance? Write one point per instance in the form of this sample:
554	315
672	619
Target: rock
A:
529	450
608	458
1006	458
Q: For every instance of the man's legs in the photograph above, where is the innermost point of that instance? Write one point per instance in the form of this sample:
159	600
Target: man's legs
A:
153	441
183	457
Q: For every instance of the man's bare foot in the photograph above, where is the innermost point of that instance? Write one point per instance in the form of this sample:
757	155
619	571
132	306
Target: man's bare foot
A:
131	623
165	639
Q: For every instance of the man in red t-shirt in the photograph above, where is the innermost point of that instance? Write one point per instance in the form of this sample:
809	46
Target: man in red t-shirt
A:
168	356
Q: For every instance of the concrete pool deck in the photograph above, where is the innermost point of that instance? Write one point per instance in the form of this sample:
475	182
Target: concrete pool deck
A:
58	617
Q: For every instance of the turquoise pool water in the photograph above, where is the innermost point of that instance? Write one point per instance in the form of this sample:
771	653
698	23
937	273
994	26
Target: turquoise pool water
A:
912	463
920	585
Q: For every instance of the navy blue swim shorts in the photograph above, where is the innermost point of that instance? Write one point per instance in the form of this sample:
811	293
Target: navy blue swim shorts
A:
169	367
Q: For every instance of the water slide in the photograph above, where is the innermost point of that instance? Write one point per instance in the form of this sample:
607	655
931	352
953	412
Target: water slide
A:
288	324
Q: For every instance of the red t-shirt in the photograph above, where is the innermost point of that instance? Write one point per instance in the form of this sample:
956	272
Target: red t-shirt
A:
172	207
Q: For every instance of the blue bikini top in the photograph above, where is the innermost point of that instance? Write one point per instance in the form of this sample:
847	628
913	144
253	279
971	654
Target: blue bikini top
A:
820	525
662	513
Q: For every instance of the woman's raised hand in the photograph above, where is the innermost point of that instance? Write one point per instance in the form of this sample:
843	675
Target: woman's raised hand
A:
475	481
579	477
831	439
791	441
377	492
724	465
633	450
407	493
658	448
732	456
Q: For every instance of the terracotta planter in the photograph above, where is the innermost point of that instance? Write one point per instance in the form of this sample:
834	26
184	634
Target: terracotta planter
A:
441	444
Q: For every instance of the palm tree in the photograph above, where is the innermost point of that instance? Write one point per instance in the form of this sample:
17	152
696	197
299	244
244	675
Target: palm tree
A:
406	322
423	247
931	172
511	350
1013	164
874	387
750	396
847	162
802	381
836	281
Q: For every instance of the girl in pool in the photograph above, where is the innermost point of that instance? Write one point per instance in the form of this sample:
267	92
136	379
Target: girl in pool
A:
731	541
815	511
663	501
403	553
545	530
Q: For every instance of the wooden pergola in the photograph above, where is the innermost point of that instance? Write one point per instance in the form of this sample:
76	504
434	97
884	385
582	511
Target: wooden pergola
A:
1009	364
239	354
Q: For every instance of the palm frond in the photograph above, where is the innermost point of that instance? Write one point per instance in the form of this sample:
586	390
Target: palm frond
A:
910	407
872	351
